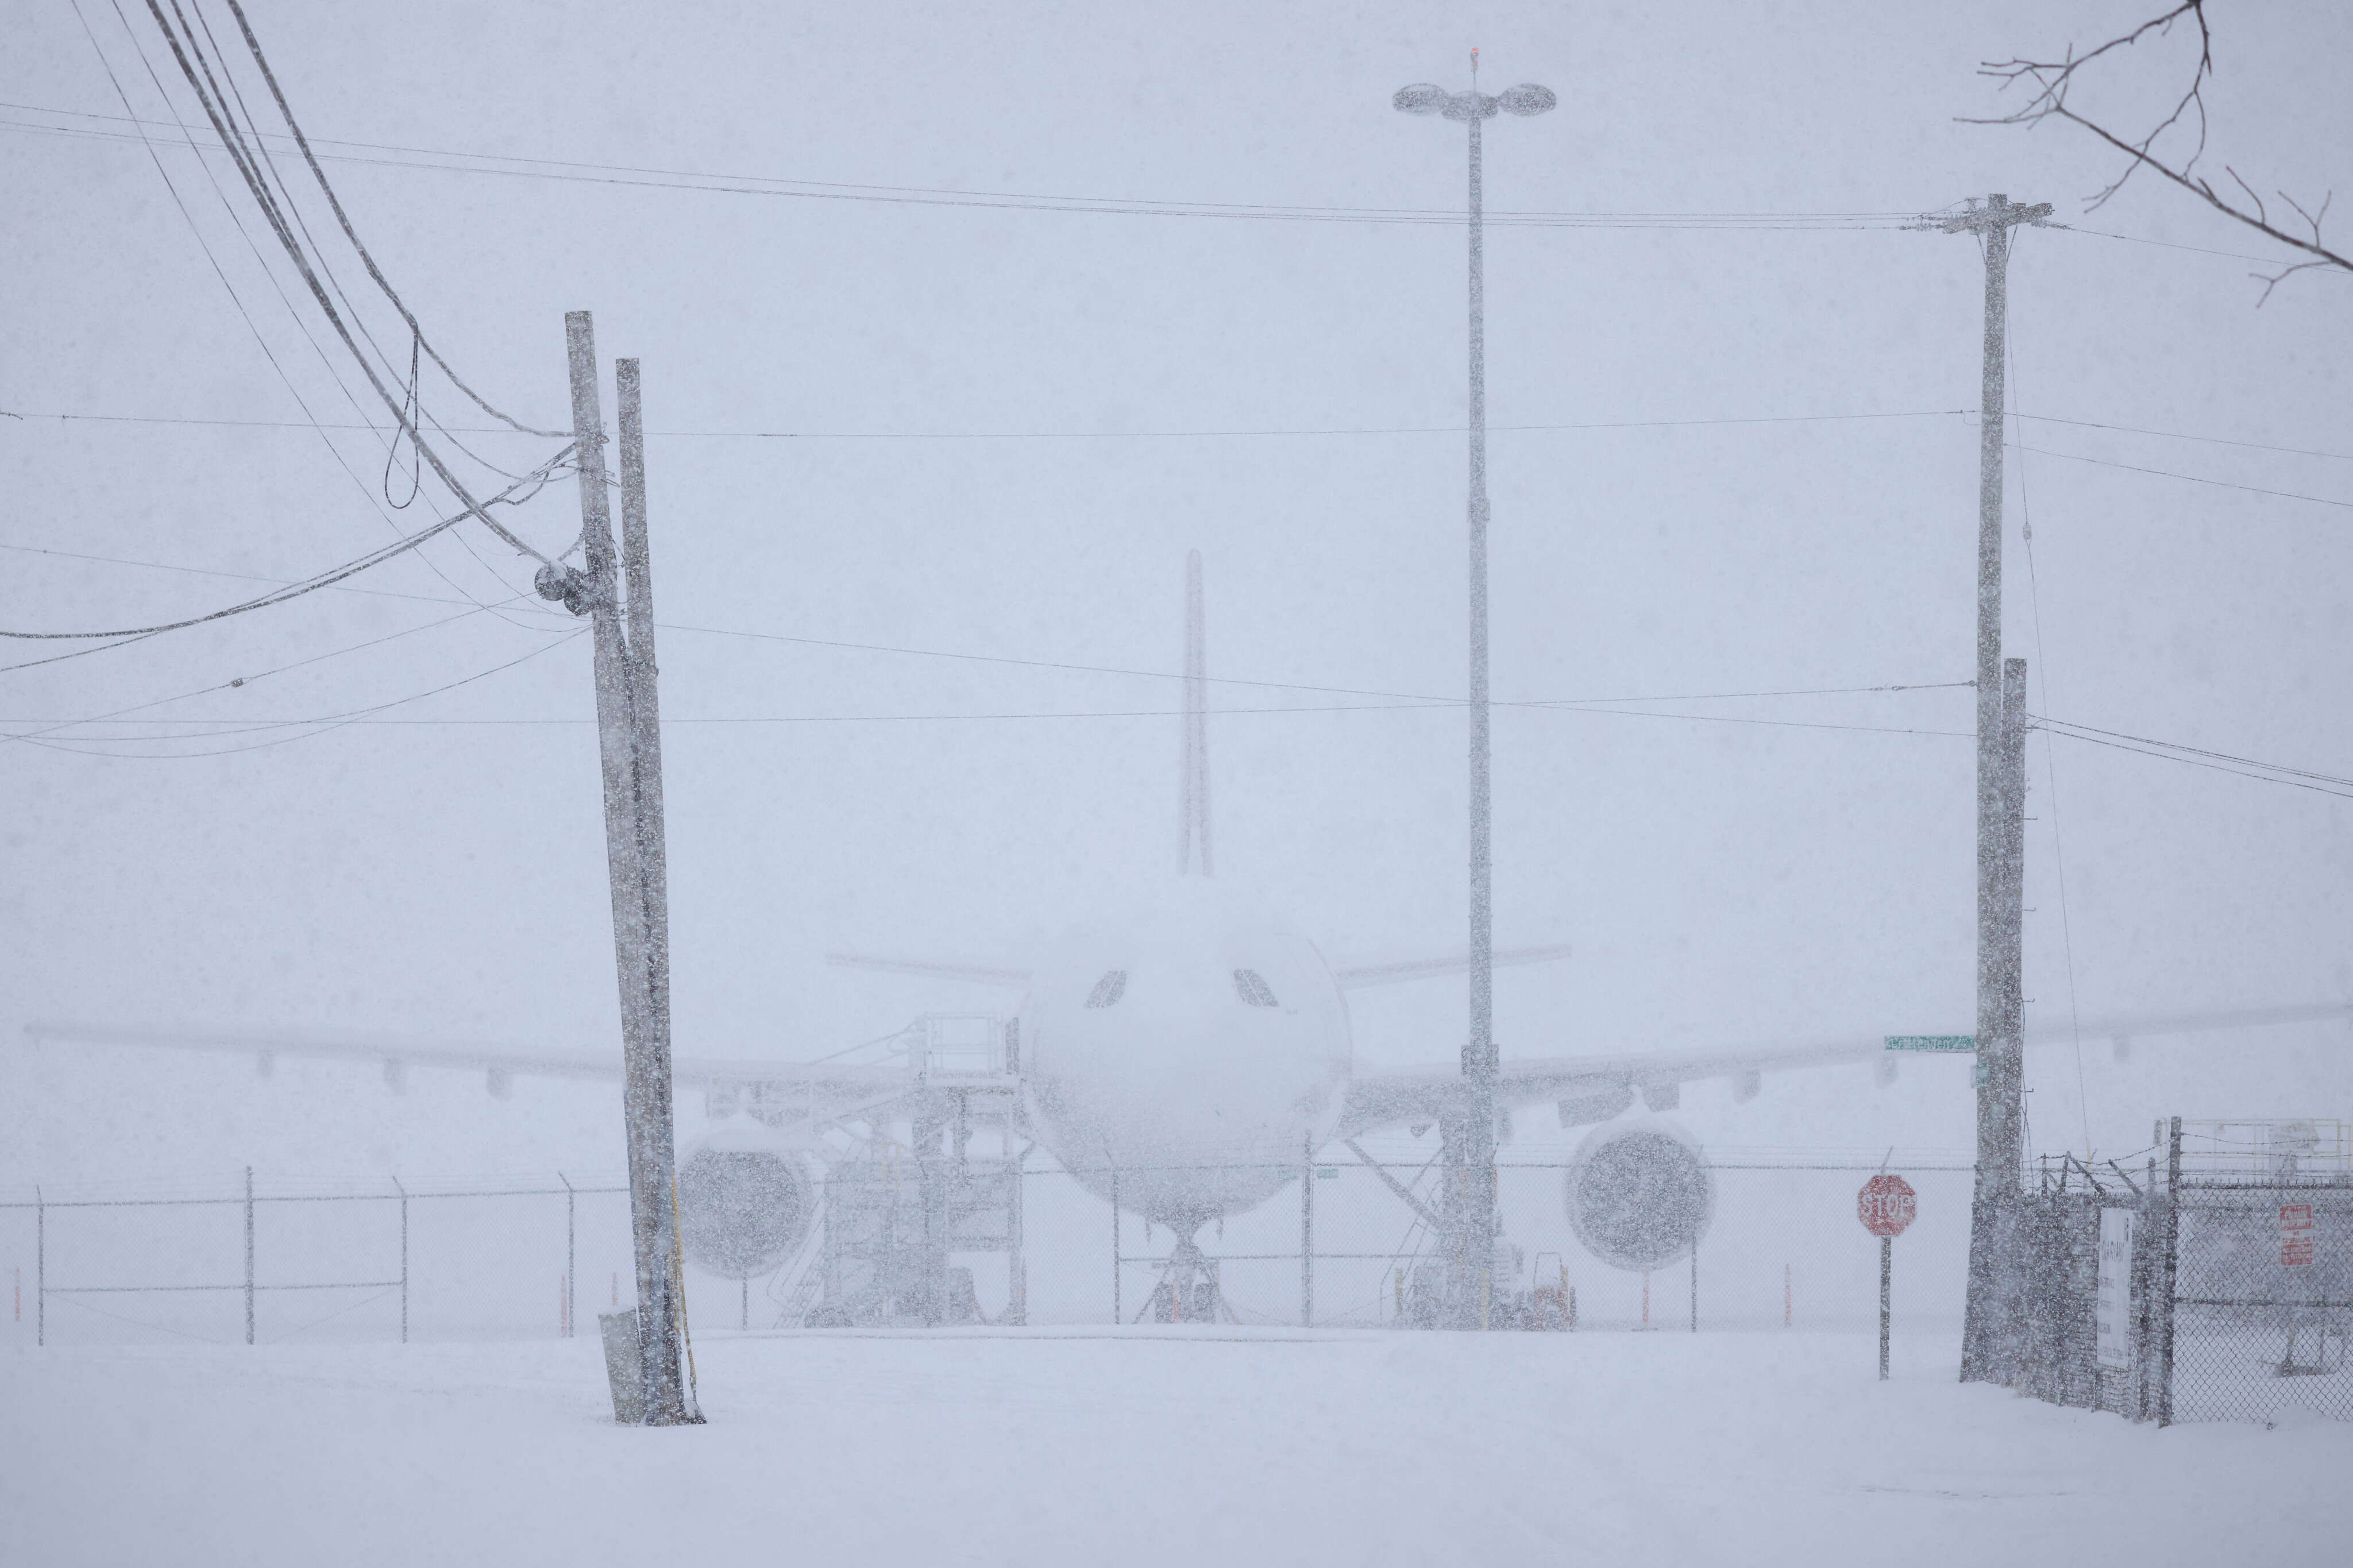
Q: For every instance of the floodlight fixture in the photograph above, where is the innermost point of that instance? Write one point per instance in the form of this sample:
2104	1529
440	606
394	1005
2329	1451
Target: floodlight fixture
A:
1427	98
1527	99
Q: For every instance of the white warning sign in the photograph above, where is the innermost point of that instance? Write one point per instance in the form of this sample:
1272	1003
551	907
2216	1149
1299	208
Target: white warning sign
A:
2113	1318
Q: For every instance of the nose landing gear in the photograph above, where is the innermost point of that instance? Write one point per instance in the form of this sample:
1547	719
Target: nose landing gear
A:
1189	1292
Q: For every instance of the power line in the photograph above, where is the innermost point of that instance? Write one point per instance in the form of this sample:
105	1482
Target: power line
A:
576	171
414	408
241	680
1728	696
252	726
1046	434
1239	433
2190	478
225	127
220	273
324	726
2087	732
1082	669
2134	239
239	576
1263	685
2218	767
537	477
1731	719
2180	436
774	185
253	45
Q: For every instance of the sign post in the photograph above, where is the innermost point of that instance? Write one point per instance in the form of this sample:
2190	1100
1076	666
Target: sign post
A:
1886	1207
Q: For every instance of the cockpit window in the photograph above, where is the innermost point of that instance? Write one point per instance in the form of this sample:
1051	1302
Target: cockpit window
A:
1109	989
1253	988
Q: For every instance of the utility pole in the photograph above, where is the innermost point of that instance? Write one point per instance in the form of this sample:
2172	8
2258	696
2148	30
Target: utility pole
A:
1985	1356
629	749
2004	1322
1468	1137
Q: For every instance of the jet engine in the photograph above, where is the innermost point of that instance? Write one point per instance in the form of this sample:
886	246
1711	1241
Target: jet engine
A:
1638	1196
744	1207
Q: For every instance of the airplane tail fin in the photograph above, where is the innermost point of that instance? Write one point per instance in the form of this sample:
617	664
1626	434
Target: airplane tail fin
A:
1193	850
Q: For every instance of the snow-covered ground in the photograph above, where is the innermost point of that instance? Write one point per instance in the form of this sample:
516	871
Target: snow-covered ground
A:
1133	1447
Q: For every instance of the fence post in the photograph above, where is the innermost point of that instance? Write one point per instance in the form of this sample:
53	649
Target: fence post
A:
1016	1267
1307	1231
571	1255
2144	1291
1118	1314
40	1268
404	1258
1694	1285
248	1254
2172	1260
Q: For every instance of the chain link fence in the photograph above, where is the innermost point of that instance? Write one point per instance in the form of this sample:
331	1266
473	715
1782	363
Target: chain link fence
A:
2217	1286
257	1261
2262	1302
261	1263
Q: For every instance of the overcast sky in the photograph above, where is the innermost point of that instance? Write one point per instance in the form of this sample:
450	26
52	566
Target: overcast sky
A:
982	401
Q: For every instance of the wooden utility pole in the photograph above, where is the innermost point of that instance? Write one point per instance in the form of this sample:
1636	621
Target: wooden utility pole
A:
1985	1353
629	749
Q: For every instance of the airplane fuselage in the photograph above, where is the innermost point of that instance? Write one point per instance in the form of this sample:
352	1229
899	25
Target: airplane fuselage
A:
1192	1051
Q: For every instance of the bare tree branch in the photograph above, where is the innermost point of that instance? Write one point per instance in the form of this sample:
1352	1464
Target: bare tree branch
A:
2052	81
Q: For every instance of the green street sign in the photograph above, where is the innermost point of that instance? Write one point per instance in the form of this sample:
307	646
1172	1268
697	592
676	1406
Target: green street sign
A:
1932	1042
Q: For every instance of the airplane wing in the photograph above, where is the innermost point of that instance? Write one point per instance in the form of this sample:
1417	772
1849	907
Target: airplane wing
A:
828	1084
1587	1089
931	969
1596	1087
1354	976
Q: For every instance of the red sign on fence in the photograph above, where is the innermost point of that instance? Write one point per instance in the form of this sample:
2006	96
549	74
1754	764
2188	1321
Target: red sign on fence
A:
2295	1233
1886	1204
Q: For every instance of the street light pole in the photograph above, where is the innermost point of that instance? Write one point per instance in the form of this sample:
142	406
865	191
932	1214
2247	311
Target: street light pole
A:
1468	1136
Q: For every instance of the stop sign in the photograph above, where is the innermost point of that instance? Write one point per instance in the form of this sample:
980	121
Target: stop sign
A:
1886	1204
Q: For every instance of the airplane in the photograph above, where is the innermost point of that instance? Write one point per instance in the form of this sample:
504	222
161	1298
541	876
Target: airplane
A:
1179	1056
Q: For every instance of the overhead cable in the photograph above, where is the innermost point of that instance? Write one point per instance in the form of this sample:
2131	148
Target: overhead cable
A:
2087	731
1042	664
1060	435
240	576
2218	767
121	714
629	176
332	720
268	273
2164	244
293	127
763	184
323	727
536	477
2189	479
2181	436
1206	433
183	48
